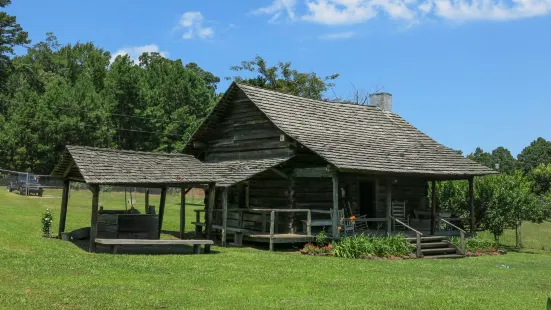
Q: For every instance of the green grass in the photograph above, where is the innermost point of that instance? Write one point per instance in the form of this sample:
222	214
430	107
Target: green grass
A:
40	273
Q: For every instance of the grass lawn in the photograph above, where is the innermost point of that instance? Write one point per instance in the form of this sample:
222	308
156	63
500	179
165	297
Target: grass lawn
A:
40	273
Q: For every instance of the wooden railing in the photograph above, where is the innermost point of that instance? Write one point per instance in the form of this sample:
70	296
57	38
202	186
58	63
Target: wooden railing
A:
461	234
417	237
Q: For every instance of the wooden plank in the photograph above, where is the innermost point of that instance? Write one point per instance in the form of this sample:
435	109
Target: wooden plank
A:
317	172
224	215
471	205
162	210
183	212
433	209
151	242
280	173
64	204
208	218
94	217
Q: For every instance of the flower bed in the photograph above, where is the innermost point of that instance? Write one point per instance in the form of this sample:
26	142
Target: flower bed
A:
363	247
479	247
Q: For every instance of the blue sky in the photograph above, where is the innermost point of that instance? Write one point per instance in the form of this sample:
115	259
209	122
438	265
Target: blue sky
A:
467	72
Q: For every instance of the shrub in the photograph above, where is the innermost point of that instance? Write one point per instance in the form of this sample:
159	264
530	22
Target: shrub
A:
364	246
311	249
475	244
47	219
321	238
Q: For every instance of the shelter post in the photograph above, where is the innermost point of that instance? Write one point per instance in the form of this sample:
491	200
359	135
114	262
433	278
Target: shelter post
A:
162	209
183	212
433	208
335	215
63	211
471	204
94	220
388	189
147	201
208	216
224	215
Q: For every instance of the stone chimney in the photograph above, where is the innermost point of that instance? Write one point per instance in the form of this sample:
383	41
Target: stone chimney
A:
381	100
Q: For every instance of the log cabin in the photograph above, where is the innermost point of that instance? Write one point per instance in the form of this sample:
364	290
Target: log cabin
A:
292	166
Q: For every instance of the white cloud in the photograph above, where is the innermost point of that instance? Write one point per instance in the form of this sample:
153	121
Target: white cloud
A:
343	12
277	8
338	35
193	23
136	51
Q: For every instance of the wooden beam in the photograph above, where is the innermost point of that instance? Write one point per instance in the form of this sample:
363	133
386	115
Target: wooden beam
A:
388	190
63	212
162	210
208	216
147	201
317	172
335	215
471	204
188	190
68	169
94	218
280	173
433	208
183	212
224	215
272	230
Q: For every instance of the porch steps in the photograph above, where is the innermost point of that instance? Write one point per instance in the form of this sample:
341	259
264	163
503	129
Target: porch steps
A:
437	247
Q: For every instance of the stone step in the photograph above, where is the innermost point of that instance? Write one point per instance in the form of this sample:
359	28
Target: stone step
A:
446	256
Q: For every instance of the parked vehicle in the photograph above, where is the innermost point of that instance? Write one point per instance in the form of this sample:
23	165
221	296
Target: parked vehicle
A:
20	184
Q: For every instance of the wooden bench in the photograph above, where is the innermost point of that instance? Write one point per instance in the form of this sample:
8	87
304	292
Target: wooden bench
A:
114	244
237	232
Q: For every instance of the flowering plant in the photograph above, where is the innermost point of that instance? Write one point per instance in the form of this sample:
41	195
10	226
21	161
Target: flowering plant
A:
47	219
311	249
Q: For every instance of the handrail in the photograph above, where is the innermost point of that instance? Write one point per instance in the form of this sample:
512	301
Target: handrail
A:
418	235
452	225
406	225
461	234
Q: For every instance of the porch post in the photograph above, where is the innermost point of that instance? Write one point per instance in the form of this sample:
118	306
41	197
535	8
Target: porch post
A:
335	215
146	200
182	212
224	214
471	204
433	209
94	218
162	210
63	212
208	216
388	190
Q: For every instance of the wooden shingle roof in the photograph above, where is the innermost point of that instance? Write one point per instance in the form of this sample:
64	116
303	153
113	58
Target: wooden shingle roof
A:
359	138
118	167
232	172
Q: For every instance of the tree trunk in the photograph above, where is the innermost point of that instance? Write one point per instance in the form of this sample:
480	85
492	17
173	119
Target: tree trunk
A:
518	230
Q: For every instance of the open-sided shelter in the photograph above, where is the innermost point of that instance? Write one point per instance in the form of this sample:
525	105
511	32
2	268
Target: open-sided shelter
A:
98	166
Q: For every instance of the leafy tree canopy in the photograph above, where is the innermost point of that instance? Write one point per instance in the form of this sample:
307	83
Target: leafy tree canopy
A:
283	78
537	153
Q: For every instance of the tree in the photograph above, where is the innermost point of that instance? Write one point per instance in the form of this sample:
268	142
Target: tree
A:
11	35
483	158
283	78
541	179
504	160
538	152
507	201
